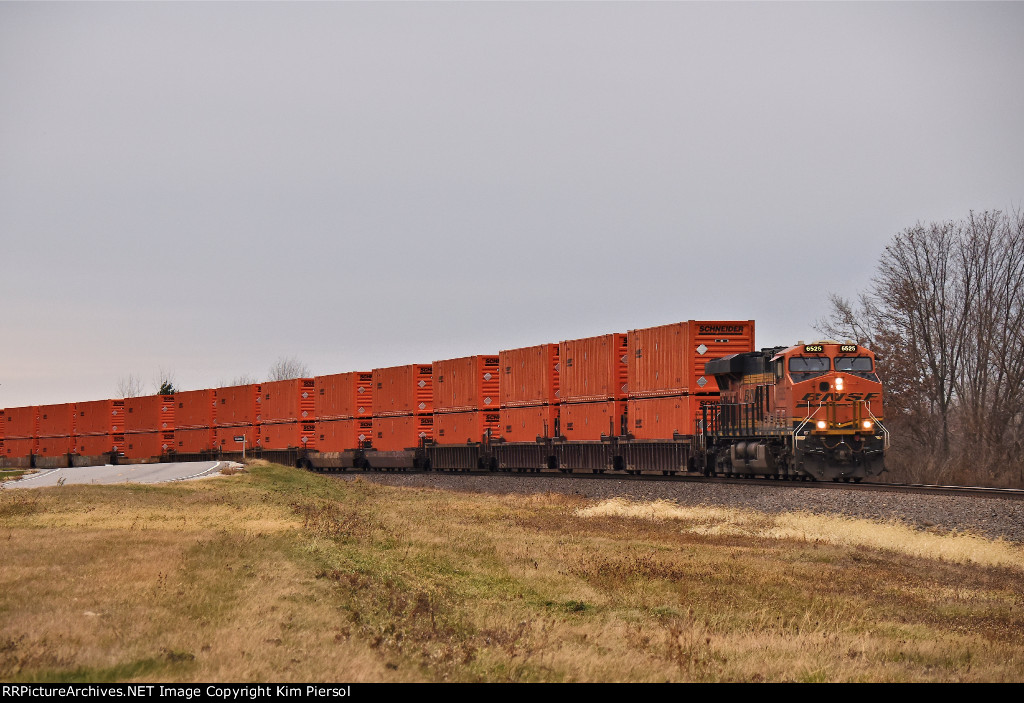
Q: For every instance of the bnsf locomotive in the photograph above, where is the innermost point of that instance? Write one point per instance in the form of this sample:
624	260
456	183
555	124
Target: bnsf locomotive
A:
688	397
809	411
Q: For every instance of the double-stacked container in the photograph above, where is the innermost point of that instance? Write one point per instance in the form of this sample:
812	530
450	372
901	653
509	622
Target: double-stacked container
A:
344	411
238	415
467	399
99	428
149	426
195	421
403	406
21	429
667	383
287	414
529	392
56	431
594	386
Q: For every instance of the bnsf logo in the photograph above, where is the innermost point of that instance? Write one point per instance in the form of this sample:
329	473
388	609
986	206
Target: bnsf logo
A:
721	329
837	397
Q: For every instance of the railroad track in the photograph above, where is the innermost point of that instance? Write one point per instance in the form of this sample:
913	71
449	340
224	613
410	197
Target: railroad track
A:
926	489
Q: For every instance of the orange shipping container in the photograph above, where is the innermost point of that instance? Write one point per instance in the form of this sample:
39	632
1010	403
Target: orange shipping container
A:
149	413
466	427
195	440
527	423
54	446
22	423
288	435
16	448
592	421
146	445
93	444
195	409
237	405
593	368
292	400
467	383
344	395
395	433
402	390
529	376
99	417
670	359
343	435
662	418
57	420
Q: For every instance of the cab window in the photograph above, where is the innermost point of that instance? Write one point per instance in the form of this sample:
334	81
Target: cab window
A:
853	363
802	368
861	366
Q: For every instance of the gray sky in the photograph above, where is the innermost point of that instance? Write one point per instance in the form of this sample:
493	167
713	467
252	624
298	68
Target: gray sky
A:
205	187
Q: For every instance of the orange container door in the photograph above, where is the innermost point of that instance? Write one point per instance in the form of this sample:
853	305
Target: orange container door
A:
526	424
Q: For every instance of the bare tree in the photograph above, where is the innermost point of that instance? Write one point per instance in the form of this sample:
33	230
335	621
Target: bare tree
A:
945	313
288	367
129	386
164	382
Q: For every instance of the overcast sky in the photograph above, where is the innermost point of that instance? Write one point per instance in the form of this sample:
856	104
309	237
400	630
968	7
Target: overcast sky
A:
206	187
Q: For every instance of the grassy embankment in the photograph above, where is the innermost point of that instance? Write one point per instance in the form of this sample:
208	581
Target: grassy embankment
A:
283	575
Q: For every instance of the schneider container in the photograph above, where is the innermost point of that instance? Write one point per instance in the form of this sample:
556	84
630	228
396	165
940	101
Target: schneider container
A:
402	390
465	384
529	376
344	395
593	368
670	359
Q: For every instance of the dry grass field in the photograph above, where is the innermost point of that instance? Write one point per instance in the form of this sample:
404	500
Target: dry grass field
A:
282	575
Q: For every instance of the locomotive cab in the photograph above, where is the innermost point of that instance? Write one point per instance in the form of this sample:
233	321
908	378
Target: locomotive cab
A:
811	411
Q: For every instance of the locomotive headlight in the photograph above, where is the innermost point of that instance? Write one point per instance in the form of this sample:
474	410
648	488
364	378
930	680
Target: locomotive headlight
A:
867	424
839	383
822	424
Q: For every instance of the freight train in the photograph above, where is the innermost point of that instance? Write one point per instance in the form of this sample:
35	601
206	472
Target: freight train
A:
688	397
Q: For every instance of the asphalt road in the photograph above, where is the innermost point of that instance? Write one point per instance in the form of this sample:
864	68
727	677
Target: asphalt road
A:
122	473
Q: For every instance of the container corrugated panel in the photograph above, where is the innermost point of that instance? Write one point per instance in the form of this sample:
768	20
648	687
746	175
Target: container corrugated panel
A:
466	427
670	359
292	400
22	423
145	445
395	433
529	375
662	418
150	413
56	420
237	405
594	368
93	444
342	435
467	383
194	409
17	447
194	440
591	421
225	437
401	390
527	423
99	417
55	446
344	395
288	435
3	423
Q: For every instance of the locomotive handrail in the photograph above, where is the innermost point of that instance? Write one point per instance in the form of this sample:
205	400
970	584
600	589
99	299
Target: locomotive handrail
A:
885	432
798	428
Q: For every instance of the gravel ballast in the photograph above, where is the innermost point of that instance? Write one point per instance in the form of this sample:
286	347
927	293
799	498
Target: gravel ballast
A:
991	517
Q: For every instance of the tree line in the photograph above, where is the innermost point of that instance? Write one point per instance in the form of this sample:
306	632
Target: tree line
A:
944	312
